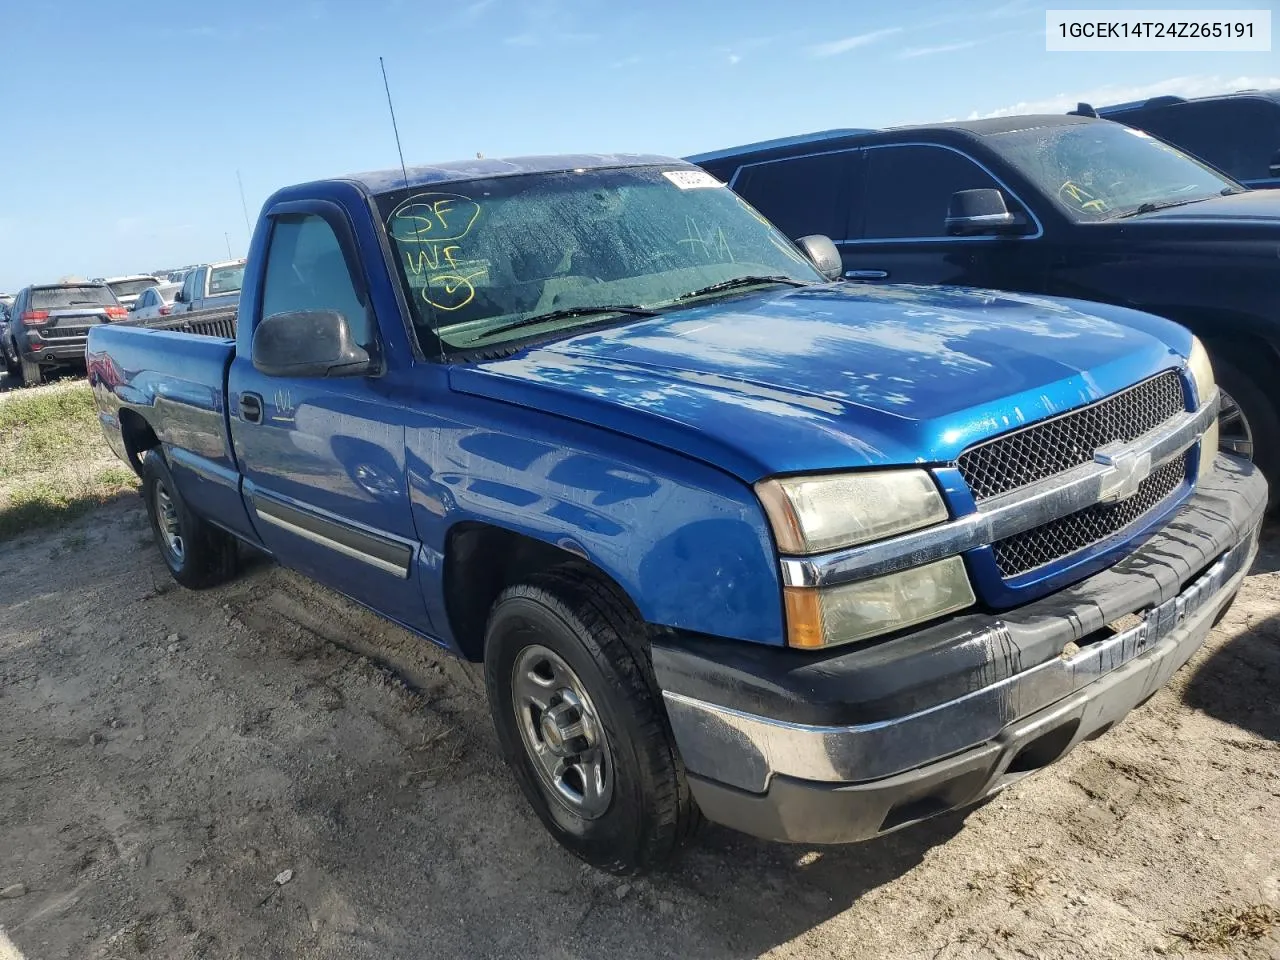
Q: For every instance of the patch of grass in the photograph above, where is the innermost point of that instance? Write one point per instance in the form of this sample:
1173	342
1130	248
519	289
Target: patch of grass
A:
41	428
55	465
77	541
1224	927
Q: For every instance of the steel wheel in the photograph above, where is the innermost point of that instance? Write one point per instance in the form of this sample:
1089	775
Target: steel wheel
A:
170	528
562	732
1234	434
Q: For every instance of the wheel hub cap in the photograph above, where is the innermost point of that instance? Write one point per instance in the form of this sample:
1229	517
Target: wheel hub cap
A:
167	520
561	732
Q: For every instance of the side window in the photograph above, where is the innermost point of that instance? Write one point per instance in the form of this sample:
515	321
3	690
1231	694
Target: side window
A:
188	286
802	195
306	271
909	188
1237	136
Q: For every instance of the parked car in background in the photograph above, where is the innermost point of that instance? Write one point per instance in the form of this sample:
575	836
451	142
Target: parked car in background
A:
1063	205
5	360
1239	133
210	286
127	289
155	301
818	560
50	324
6	300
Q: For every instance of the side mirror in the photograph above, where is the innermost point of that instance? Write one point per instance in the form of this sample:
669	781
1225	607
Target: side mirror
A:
179	297
823	253
975	212
308	343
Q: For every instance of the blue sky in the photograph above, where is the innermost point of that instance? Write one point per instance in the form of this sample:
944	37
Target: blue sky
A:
127	122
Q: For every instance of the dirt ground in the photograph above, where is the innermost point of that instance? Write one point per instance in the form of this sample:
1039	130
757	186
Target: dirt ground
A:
166	755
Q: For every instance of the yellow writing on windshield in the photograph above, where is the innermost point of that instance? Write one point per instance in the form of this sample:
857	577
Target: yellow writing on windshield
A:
428	228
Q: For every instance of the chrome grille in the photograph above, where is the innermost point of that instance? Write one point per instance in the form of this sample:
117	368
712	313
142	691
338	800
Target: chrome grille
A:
1066	535
1060	443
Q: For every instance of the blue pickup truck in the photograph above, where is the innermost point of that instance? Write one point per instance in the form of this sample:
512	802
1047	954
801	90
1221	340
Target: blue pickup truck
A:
732	540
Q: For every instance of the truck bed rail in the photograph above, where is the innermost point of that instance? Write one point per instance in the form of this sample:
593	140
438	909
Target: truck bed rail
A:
219	322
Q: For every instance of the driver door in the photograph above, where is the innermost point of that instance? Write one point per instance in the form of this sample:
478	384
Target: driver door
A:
898	232
323	458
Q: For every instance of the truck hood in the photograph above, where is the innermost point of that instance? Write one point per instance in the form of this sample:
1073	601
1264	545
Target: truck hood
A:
1252	205
835	376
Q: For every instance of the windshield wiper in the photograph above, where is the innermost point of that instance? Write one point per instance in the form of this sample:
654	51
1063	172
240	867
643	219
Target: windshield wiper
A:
1152	207
751	280
567	312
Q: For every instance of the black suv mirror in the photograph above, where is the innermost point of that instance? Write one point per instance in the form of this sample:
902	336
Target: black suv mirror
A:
308	343
823	253
975	212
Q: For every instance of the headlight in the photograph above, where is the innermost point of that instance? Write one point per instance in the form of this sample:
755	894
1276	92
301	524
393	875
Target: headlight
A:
826	616
813	514
1201	371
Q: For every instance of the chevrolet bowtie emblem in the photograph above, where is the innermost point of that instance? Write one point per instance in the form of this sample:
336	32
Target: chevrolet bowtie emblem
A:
1126	472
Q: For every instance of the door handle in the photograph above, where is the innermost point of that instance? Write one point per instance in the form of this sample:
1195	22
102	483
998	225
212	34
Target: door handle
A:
866	274
251	407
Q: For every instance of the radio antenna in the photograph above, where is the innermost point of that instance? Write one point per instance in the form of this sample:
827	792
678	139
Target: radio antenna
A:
244	206
386	86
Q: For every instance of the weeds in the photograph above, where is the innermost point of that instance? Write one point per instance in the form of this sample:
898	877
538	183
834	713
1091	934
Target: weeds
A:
1224	927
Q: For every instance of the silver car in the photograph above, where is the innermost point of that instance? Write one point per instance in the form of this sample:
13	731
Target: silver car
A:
155	301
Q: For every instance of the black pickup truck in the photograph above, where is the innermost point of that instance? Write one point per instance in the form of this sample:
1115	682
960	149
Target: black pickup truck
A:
1064	205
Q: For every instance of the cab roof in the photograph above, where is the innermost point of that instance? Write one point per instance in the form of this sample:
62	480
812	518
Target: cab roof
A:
381	181
972	128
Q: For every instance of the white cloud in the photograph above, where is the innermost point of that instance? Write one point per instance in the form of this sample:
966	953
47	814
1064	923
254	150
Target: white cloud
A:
734	59
836	47
473	10
944	48
1189	86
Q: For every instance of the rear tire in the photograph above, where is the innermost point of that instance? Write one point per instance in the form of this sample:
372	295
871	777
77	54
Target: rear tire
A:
577	644
1252	428
31	373
11	365
198	554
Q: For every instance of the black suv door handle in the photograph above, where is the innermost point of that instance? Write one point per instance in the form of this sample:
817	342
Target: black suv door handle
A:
251	407
866	274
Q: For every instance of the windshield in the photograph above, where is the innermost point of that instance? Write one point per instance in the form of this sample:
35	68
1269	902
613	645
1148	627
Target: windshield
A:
1100	171
55	298
226	279
167	291
129	288
482	255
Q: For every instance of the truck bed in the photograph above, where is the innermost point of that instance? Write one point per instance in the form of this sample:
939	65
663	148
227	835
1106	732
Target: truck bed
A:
170	381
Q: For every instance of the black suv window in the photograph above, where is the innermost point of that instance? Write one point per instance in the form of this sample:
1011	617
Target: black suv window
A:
54	298
909	187
801	195
1239	137
306	271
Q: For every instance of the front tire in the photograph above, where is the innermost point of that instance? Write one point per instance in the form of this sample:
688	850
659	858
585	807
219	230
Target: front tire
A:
580	721
198	554
1248	424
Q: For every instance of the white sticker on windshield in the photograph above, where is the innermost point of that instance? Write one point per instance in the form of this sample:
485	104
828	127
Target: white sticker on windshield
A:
691	179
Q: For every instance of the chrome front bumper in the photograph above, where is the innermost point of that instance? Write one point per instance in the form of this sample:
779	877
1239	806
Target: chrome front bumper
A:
832	783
